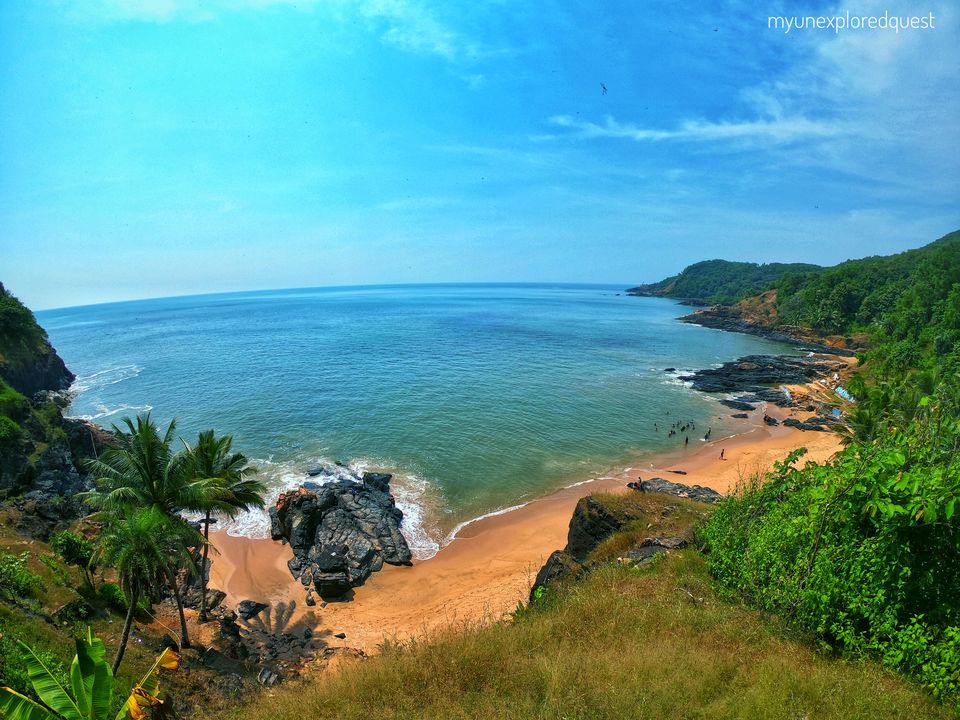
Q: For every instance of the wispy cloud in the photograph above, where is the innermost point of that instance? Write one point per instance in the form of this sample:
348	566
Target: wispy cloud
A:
408	25
778	130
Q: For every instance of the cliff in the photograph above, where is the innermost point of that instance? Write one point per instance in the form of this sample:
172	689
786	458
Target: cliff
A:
41	452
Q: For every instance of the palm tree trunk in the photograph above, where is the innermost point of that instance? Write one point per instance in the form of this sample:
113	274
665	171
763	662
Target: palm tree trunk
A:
125	635
184	640
203	569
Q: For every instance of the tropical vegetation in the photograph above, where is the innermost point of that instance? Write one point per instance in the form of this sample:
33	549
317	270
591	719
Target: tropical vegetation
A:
89	695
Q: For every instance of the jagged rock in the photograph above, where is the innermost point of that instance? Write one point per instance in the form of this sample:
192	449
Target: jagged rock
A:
740	416
216	660
694	492
590	525
754	373
738	405
249	609
340	636
559	565
770	420
340	532
268	677
813	424
668	543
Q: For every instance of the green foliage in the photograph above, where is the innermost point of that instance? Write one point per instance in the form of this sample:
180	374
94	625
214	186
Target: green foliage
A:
13	663
909	303
74	549
722	281
112	596
17	581
13	404
864	551
20	335
86	693
10	432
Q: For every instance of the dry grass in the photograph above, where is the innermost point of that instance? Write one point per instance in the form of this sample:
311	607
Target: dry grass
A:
624	643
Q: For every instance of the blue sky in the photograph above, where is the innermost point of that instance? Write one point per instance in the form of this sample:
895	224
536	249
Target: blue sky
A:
167	147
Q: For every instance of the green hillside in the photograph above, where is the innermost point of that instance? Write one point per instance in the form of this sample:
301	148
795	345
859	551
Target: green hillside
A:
721	281
909	303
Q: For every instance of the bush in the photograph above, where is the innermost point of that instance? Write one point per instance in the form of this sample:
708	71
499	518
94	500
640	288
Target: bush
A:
16	580
13	667
10	432
865	551
75	550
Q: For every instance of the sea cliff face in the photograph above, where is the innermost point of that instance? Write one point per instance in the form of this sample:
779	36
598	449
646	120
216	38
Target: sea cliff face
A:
41	452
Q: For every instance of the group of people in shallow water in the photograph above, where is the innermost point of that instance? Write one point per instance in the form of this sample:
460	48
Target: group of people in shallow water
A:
682	427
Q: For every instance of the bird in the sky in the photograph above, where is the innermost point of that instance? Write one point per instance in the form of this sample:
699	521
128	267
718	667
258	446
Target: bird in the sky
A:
603	89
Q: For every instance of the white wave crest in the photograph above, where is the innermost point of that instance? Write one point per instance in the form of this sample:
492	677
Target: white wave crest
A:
110	376
103	411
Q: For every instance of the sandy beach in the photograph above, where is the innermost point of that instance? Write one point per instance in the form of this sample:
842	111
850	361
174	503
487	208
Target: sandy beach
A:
490	565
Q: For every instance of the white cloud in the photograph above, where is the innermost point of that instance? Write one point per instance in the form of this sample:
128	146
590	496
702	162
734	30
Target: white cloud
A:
405	24
779	130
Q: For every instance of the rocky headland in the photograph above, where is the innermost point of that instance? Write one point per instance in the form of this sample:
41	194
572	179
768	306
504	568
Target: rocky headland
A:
738	318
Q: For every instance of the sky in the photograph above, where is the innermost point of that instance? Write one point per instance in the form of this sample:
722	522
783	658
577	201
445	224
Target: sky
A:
168	147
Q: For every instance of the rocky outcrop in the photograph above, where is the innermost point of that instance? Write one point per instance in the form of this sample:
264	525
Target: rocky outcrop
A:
755	373
559	565
731	319
340	532
591	524
28	363
693	492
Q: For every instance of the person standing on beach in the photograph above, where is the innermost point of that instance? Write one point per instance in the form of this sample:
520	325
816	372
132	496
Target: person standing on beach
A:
721	453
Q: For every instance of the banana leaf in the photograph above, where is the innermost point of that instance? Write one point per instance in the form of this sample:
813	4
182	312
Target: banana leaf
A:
14	706
146	693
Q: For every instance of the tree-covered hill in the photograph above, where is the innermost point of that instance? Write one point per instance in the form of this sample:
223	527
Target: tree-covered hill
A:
909	303
721	281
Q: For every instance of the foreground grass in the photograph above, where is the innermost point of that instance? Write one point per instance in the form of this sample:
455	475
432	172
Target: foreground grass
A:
623	643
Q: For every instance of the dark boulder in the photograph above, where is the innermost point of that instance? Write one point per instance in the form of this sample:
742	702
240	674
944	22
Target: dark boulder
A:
559	565
740	416
340	532
591	524
738	405
249	609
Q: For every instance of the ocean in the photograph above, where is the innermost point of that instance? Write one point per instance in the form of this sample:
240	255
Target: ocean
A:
477	397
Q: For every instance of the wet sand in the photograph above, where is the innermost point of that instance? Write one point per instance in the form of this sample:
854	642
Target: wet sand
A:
491	563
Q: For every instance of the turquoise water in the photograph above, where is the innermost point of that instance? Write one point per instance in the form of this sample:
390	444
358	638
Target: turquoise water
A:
477	397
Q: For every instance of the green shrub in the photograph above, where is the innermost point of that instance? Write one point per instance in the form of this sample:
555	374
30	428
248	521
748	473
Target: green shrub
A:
864	551
13	666
10	432
112	596
16	579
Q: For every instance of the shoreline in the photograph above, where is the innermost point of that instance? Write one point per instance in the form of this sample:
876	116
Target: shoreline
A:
489	565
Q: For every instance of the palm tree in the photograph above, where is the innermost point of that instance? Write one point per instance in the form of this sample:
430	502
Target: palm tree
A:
132	542
144	471
230	489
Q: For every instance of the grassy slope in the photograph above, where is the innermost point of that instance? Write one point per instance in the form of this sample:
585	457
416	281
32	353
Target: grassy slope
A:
626	642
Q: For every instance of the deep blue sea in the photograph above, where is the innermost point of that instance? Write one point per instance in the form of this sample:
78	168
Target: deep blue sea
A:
478	397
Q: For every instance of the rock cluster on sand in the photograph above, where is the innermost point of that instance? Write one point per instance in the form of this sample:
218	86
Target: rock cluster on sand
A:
340	532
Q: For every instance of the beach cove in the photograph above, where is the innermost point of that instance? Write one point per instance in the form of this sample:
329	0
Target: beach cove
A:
489	566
